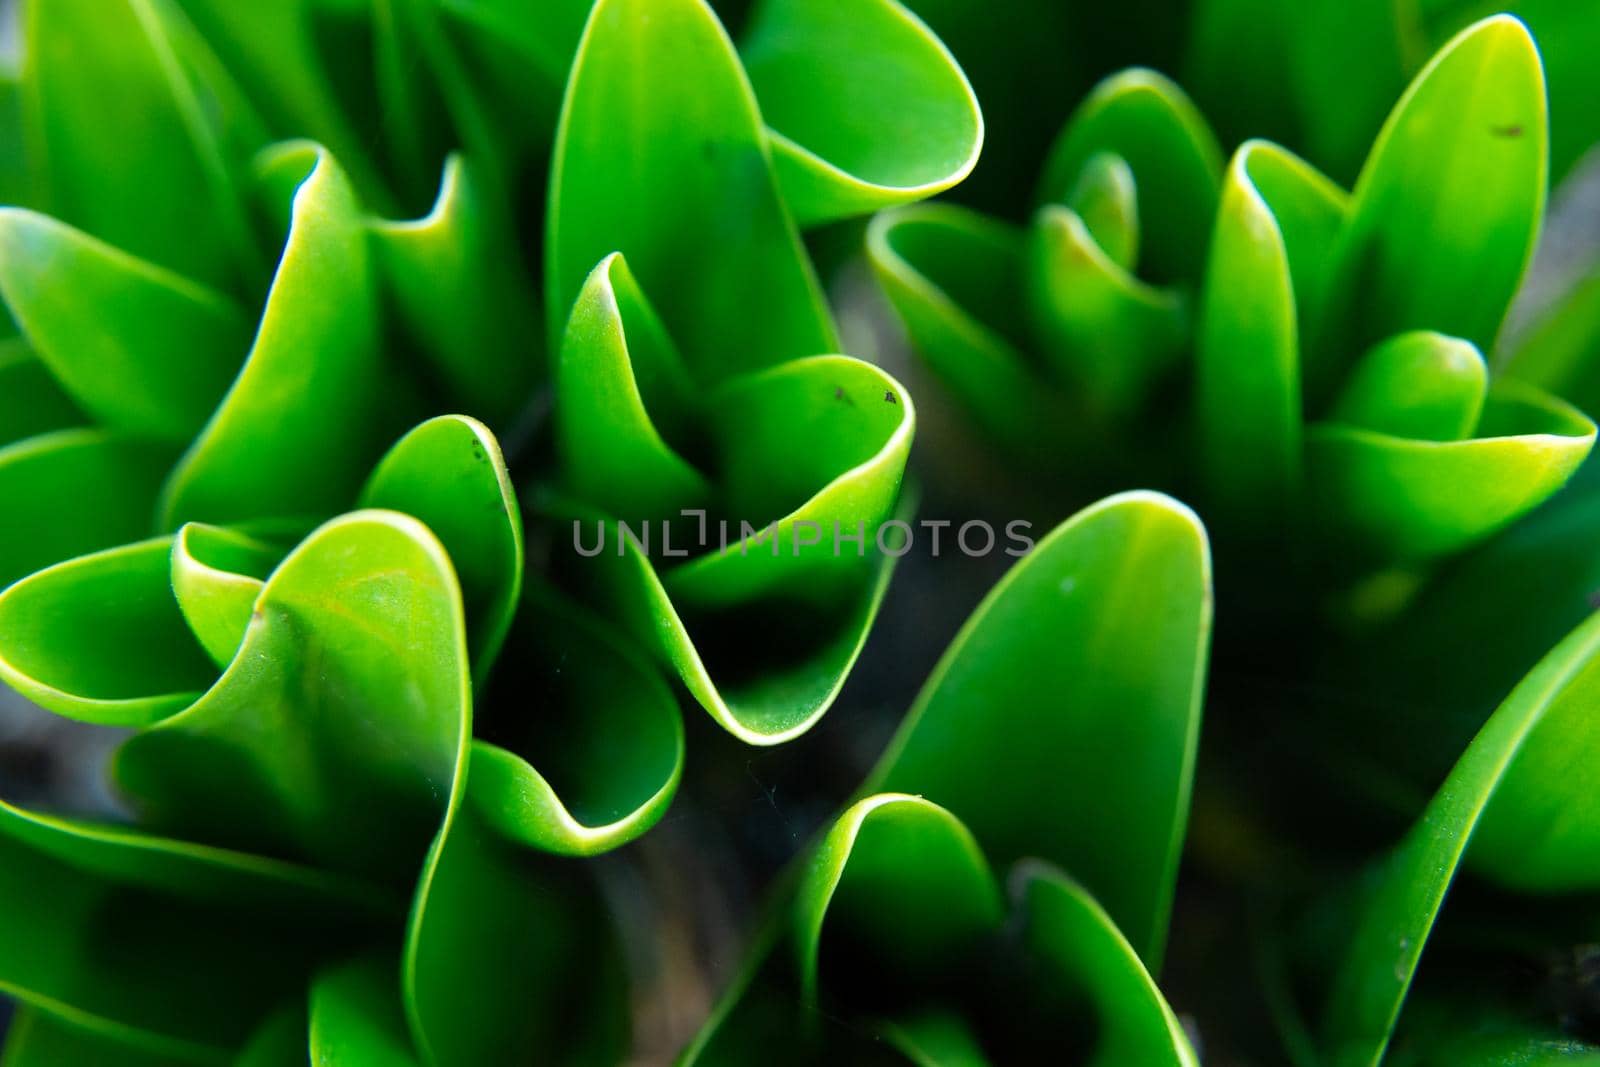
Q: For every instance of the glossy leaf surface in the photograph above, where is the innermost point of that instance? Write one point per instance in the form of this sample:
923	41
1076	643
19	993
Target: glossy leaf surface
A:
1082	675
866	106
734	287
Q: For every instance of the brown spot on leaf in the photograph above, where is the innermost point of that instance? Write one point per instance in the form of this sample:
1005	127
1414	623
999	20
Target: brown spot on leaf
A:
1506	131
890	398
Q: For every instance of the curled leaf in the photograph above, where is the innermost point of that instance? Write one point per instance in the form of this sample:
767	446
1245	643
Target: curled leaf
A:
587	753
317	345
647	162
866	107
1406	499
351	660
449	473
100	638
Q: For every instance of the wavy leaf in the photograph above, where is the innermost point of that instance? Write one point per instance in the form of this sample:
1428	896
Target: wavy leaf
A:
1108	336
866	107
157	353
350	663
317	344
217	574
1106	198
1082	675
805	446
449	473
1149	122
673	172
621	392
458	289
100	638
956	280
1395	498
585	750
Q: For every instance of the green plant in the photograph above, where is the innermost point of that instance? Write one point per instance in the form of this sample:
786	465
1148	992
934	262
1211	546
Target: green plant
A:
302	475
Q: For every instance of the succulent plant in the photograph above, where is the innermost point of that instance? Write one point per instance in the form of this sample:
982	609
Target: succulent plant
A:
459	449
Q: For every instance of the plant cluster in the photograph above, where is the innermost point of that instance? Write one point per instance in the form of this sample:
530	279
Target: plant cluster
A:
330	327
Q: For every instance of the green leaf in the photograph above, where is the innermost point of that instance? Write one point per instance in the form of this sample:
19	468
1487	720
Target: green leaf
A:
141	134
1107	200
1395	498
1516	797
1419	385
100	638
355	664
30	400
457	287
823	439
159	350
955	279
449	473
904	883
533	934
217	574
357	1019
1275	228
1082	675
585	749
1149	122
75	491
128	936
1106	334
896	928
317	346
1078	946
620	377
866	107
673	172
1445	214
806	449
